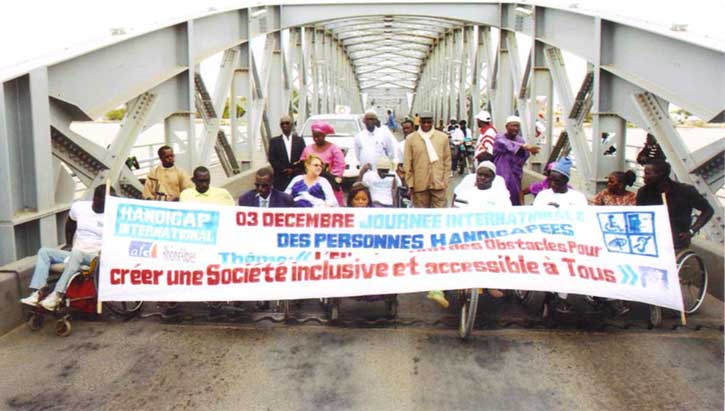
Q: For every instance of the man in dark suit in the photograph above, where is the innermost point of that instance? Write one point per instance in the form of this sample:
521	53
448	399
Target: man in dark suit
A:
284	151
263	194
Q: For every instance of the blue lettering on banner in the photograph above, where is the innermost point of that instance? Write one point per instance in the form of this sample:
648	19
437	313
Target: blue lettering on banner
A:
144	249
629	232
165	224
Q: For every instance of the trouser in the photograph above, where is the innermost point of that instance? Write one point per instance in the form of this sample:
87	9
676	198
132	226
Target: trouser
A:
49	256
429	199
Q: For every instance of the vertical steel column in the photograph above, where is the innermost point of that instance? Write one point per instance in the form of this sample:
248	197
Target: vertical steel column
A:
464	53
275	86
241	87
452	71
318	62
503	103
8	251
543	94
577	138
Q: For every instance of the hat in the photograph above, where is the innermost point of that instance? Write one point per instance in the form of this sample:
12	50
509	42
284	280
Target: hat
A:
484	116
563	166
383	163
426	114
371	112
487	164
322	127
453	119
285	118
513	119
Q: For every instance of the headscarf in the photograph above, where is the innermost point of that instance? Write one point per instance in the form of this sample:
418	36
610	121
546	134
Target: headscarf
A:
322	127
487	164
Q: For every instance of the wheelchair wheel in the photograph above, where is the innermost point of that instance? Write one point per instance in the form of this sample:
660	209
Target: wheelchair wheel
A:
123	308
693	280
63	328
532	300
655	316
469	304
35	321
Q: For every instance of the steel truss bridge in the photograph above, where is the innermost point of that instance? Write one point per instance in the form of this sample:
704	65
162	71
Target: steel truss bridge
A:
453	58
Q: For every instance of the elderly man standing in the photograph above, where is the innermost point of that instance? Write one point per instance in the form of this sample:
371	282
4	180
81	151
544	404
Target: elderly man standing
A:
284	151
427	165
373	142
165	182
510	152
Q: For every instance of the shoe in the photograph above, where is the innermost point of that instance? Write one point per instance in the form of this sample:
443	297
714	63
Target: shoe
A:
52	301
564	307
438	297
619	308
31	300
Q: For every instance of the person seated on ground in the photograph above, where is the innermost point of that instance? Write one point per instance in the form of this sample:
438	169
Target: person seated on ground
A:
484	195
309	189
359	196
165	182
681	199
650	151
616	192
264	195
203	192
83	229
382	183
560	195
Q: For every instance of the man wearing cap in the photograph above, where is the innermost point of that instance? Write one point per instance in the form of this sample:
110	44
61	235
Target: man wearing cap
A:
427	164
486	136
510	152
373	142
284	151
381	182
559	194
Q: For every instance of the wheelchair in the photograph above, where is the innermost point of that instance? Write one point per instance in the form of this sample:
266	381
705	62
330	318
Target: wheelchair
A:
80	298
331	306
692	275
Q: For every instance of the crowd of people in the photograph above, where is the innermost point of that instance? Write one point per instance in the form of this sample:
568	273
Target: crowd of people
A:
419	168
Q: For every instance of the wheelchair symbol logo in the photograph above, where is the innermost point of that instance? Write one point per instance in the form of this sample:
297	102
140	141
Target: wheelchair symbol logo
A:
629	232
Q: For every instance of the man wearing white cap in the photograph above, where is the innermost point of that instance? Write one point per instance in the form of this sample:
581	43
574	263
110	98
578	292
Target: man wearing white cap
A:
487	135
381	182
510	152
373	142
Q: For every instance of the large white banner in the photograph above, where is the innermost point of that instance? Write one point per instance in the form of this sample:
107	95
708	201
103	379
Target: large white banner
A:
156	251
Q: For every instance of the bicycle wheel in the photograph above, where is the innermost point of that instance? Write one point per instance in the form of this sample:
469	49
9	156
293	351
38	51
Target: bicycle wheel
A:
693	280
532	300
469	304
123	307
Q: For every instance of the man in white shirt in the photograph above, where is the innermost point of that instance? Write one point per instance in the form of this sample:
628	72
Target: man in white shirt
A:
559	194
381	182
373	142
84	229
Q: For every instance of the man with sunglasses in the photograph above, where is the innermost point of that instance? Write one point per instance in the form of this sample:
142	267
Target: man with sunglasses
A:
203	192
264	195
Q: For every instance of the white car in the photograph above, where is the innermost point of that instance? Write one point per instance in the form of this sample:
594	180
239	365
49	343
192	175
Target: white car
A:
346	127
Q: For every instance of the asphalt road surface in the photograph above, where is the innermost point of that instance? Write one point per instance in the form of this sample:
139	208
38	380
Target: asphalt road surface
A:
245	359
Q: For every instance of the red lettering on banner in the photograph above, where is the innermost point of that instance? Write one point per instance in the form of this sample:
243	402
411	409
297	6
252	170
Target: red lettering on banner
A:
184	277
135	276
304	220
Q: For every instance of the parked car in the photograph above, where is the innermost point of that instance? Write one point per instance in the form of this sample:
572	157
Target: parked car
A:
346	127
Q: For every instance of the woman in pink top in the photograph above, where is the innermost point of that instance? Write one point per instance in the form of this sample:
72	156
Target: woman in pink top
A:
330	154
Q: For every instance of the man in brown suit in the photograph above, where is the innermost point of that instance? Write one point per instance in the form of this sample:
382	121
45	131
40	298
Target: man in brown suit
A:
427	167
427	164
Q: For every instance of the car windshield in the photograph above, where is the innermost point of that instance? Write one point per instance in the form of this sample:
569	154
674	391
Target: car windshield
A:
343	127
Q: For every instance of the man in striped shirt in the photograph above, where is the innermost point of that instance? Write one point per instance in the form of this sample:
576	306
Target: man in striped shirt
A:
484	147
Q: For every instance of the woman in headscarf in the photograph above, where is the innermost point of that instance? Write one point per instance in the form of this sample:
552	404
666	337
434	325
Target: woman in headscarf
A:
309	189
331	155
